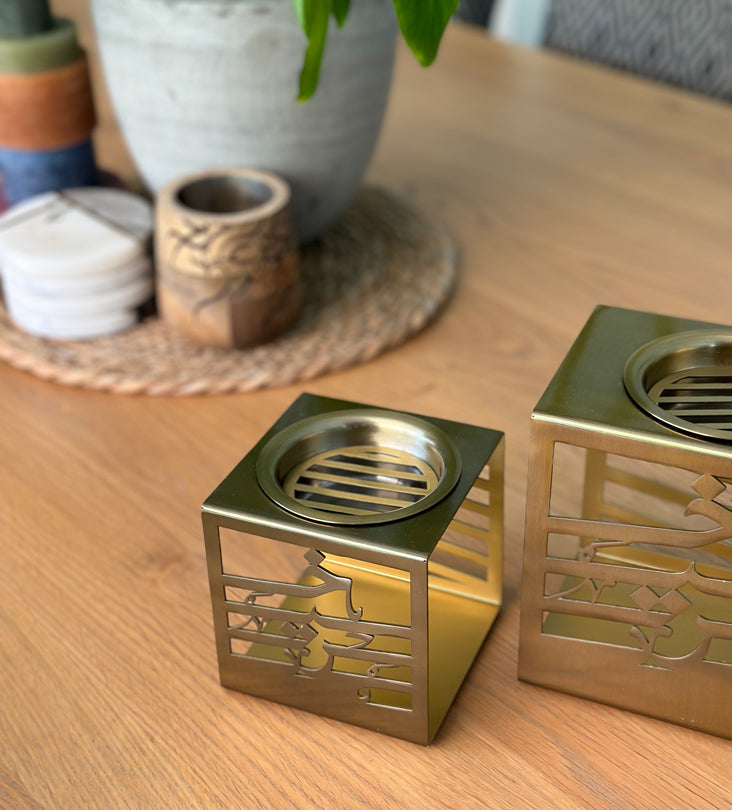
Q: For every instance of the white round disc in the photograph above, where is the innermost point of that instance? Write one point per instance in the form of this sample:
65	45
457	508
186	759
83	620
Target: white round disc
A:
66	286
76	232
130	295
72	328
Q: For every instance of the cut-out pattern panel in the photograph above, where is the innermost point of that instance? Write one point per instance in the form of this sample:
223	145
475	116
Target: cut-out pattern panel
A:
647	565
324	624
467	557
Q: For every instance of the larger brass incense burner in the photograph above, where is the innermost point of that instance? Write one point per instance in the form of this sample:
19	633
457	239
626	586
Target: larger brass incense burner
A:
354	560
627	589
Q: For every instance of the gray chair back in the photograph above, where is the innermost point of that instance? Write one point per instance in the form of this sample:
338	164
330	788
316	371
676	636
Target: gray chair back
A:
687	43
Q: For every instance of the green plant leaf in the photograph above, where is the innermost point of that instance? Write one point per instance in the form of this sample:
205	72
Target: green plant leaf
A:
303	9
340	11
423	23
313	16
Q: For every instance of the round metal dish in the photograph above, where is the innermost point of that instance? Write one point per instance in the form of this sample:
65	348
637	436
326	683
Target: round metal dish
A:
685	381
358	466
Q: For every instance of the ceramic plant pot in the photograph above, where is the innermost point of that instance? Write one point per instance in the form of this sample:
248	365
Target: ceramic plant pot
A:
201	84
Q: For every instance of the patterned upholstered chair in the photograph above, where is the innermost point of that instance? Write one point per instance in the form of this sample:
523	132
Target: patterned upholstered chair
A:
687	43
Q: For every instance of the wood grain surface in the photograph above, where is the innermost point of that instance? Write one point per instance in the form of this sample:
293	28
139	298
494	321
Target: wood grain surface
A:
565	186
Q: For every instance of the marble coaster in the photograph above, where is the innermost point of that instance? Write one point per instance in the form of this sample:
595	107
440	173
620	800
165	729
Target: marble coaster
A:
127	296
76	264
74	328
65	286
81	232
129	211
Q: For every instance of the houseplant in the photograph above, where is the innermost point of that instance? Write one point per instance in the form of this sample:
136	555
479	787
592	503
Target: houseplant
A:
212	83
422	25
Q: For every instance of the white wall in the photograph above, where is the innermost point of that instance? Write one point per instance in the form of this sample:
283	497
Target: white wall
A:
520	21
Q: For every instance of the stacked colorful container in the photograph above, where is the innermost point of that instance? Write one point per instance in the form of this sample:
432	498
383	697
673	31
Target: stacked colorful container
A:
46	105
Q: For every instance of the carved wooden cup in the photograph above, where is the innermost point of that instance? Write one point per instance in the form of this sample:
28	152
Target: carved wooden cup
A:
226	257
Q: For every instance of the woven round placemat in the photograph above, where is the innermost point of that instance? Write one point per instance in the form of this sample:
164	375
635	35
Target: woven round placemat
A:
371	281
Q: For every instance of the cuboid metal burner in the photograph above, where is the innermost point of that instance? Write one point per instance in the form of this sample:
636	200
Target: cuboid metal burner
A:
627	589
354	559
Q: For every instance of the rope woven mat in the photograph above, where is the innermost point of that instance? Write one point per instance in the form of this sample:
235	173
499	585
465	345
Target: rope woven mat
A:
375	278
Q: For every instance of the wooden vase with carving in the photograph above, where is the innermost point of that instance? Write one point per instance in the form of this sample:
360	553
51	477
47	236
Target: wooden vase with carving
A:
227	257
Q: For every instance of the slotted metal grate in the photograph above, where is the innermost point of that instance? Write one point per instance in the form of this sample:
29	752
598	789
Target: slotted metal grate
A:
703	398
685	381
358	466
361	480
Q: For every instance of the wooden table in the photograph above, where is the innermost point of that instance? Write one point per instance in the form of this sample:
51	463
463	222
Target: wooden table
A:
565	186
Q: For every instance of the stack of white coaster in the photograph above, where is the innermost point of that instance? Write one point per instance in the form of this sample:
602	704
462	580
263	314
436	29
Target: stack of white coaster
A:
76	264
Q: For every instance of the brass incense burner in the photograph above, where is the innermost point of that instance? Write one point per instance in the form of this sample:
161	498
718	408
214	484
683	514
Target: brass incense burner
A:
354	560
627	589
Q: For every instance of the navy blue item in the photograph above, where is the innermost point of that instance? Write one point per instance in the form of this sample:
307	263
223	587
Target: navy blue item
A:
26	174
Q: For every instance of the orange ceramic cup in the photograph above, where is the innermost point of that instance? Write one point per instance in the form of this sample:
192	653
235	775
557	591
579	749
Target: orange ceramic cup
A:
48	110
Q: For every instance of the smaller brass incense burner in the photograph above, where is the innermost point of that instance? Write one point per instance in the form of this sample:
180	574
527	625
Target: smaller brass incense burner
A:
627	588
354	560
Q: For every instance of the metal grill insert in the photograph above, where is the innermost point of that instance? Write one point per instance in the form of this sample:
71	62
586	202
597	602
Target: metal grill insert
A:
685	381
704	399
361	480
359	466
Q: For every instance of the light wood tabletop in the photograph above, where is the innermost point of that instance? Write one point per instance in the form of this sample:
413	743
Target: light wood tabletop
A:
565	186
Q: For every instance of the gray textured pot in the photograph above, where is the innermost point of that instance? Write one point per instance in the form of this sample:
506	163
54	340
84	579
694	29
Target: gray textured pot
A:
200	84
